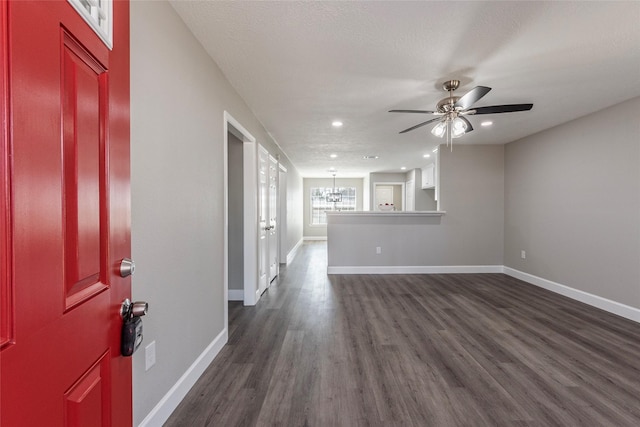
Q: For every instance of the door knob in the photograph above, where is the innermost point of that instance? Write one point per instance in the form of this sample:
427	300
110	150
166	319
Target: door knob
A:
133	309
127	267
139	308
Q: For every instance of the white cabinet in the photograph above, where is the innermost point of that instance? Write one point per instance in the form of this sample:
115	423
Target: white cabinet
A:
429	176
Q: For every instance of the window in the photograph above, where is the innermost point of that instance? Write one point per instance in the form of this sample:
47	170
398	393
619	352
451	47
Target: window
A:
319	203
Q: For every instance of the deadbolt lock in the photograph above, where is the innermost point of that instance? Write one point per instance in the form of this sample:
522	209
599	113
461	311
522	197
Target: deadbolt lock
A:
127	267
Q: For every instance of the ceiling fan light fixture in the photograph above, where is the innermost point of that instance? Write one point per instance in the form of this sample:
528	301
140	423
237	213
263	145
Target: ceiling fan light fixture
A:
450	112
458	127
439	129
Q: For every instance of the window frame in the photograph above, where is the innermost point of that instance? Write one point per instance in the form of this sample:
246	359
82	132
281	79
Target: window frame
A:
317	209
98	14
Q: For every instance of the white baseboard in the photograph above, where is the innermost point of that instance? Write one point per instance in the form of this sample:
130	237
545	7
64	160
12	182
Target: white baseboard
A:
605	304
170	401
414	269
293	252
236	294
314	238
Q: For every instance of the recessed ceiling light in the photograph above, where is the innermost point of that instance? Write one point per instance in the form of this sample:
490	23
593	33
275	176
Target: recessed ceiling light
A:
370	157
487	123
435	150
336	123
426	156
403	168
333	156
331	169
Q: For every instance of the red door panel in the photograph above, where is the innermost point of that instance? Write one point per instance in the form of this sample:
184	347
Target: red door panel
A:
65	224
86	400
84	123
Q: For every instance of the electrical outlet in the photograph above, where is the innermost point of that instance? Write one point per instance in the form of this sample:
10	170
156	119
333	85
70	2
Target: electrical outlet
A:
378	250
149	355
523	254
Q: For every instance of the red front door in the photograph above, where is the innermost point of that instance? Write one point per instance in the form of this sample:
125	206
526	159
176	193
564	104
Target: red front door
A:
64	219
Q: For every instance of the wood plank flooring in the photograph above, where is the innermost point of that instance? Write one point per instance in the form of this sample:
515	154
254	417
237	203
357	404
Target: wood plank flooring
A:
416	350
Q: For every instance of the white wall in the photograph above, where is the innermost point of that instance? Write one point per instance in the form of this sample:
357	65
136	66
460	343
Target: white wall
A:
178	96
295	215
472	193
573	204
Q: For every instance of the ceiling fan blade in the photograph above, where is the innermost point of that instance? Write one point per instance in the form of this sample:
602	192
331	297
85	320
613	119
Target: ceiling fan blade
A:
471	97
494	109
421	124
413	111
469	127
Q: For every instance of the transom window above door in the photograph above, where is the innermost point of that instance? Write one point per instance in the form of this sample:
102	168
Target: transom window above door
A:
99	15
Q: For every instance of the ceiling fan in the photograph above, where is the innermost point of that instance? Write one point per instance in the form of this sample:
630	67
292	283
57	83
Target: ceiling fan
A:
451	111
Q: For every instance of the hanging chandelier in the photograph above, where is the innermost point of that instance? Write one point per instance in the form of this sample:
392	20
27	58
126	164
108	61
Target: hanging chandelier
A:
334	196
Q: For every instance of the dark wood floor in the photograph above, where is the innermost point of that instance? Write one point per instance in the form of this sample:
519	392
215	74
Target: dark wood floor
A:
417	350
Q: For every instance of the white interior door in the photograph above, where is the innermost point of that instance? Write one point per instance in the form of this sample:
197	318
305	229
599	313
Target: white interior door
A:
272	235
384	195
410	196
263	218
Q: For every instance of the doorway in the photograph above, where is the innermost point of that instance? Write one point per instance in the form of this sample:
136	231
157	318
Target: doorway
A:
249	216
235	213
387	194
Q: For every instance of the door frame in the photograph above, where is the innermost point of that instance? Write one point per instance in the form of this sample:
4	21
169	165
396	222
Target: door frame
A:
263	221
282	214
410	190
250	226
5	174
274	161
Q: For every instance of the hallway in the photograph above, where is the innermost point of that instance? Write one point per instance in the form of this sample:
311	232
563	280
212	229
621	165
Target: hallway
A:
416	350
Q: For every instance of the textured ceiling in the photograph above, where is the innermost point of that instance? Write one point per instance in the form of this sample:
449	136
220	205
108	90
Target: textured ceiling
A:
300	65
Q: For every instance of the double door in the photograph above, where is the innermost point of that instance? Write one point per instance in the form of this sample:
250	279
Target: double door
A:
268	218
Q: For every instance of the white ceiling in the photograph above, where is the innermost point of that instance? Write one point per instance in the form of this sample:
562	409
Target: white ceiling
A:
300	65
